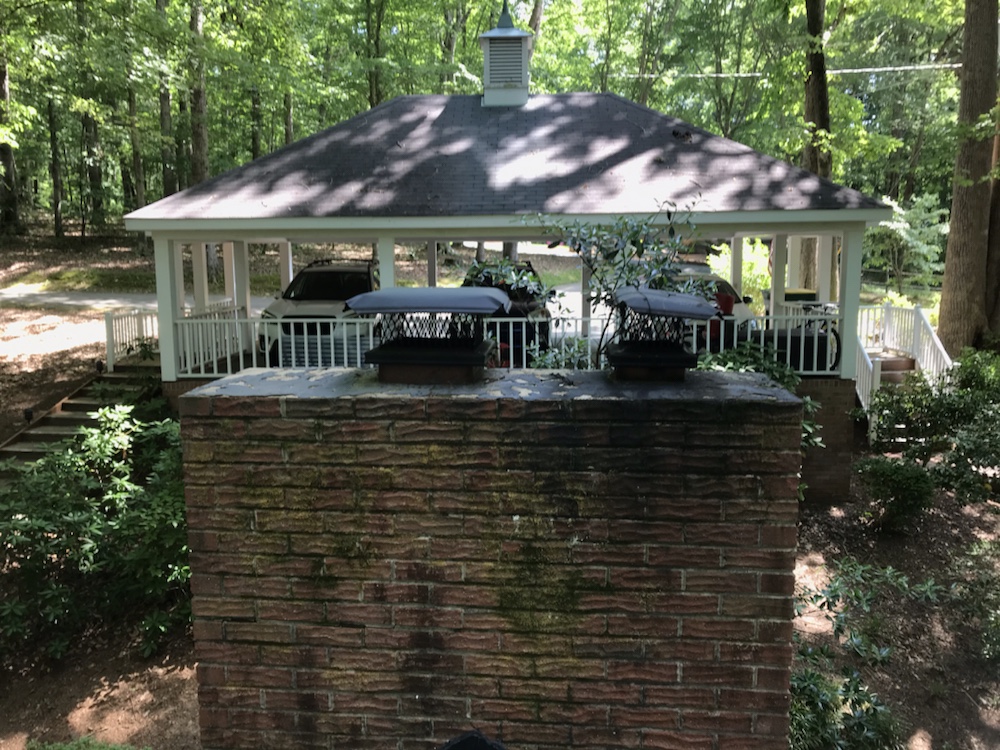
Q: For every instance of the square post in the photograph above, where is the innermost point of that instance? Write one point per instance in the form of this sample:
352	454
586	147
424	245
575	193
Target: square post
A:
825	268
285	263
228	270
736	263
168	278
850	299
199	274
386	252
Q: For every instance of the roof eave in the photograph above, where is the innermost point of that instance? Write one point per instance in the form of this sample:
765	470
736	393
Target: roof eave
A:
512	226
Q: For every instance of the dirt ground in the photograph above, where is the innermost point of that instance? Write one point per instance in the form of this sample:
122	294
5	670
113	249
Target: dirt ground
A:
947	697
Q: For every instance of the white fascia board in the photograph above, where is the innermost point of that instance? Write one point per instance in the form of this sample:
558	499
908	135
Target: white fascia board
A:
488	227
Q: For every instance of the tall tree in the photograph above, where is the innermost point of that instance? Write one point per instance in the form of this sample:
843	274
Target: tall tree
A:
168	148
199	97
963	319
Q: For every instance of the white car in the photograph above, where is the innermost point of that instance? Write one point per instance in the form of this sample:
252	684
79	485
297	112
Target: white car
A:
309	325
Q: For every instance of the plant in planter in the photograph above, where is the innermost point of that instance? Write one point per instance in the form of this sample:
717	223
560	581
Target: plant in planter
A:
520	281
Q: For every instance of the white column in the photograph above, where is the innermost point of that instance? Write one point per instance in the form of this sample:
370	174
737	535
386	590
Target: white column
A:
850	299
825	267
794	261
165	255
228	270
285	263
199	274
432	263
736	263
241	282
386	253
178	261
779	265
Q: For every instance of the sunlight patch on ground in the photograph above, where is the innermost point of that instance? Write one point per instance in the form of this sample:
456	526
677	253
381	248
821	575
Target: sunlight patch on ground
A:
811	574
14	741
27	336
920	740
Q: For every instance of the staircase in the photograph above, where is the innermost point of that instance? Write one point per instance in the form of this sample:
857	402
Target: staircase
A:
895	366
45	432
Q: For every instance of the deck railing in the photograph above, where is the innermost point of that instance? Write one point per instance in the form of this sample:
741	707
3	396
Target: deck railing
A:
214	345
906	330
129	331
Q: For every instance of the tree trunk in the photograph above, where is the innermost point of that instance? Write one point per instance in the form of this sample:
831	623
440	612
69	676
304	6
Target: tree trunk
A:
289	121
255	123
510	251
10	215
55	171
168	149
816	156
963	314
128	186
183	146
535	24
993	246
374	18
199	100
480	252
138	173
95	170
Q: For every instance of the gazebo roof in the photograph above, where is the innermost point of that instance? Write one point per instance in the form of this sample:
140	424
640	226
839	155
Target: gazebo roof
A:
448	156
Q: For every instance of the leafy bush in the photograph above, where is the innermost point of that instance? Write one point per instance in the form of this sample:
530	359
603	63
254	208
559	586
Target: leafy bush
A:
81	743
954	420
831	710
839	713
978	593
572	353
900	491
93	531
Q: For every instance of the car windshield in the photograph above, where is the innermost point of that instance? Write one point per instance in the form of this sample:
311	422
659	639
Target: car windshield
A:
328	285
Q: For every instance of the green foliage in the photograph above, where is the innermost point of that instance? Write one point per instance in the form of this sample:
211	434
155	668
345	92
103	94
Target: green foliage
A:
953	421
839	713
628	252
831	710
94	531
978	593
519	280
81	743
910	246
571	353
899	490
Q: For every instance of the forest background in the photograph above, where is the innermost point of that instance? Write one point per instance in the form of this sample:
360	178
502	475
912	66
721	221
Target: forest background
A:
107	105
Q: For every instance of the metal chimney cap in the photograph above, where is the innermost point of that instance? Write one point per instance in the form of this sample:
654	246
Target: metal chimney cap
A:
670	304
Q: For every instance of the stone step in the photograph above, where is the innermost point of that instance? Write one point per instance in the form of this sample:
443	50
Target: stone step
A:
897	363
82	403
23	450
895	377
66	419
44	432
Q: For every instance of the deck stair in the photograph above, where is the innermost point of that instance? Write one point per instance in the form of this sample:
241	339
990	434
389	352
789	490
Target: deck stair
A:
47	430
895	366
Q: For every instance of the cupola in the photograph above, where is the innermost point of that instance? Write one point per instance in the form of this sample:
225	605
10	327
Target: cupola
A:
506	50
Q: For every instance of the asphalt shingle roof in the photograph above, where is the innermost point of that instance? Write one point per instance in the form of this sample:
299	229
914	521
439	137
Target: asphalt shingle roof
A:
431	156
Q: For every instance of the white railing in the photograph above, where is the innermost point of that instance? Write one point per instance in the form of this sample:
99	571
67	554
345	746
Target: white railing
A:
218	342
128	332
868	375
906	330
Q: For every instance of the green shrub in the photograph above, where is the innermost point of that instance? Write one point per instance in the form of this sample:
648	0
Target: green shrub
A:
898	489
839	713
953	421
94	531
978	593
81	743
572	353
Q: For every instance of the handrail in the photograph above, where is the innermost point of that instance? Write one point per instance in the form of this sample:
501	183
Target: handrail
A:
126	331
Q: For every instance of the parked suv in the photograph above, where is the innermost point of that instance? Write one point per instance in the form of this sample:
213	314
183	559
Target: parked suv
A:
311	326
